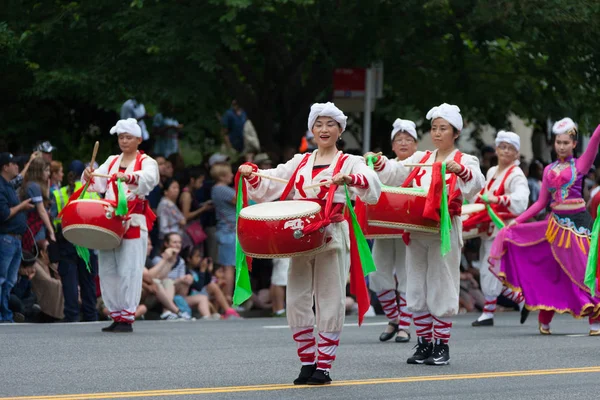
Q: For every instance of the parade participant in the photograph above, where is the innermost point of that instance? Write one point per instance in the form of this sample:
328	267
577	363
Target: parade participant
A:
121	269
324	274
390	254
508	194
433	278
546	260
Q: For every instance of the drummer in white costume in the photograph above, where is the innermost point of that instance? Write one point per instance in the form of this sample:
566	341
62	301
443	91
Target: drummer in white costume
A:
323	275
390	254
120	270
507	189
433	281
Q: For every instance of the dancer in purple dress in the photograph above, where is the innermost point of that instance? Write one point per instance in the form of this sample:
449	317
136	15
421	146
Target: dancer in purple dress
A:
546	260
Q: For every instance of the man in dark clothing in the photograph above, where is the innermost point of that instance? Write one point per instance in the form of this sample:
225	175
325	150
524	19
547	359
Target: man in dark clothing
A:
232	123
13	224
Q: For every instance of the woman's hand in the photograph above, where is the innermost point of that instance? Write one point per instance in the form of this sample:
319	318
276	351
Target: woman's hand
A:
245	170
453	166
340	179
87	173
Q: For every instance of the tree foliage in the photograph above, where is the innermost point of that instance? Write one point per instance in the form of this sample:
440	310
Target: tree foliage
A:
67	66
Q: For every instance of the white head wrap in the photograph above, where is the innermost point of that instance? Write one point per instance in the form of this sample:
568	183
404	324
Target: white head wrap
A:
129	125
404	125
449	112
510	138
565	125
326	110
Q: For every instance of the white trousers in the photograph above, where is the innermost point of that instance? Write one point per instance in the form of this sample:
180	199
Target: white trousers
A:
433	281
323	276
390	257
491	286
120	272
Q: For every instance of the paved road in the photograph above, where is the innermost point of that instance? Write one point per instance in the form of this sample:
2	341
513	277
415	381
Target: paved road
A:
228	359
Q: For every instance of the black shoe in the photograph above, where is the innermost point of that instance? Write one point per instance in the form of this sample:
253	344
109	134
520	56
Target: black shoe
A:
111	327
385	336
484	322
305	373
123	327
524	314
18	317
320	377
440	354
424	349
402	339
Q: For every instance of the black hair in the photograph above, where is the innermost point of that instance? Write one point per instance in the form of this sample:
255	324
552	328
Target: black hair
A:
190	173
167	184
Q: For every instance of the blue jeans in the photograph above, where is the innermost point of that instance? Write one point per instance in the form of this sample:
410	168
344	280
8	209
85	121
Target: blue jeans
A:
10	260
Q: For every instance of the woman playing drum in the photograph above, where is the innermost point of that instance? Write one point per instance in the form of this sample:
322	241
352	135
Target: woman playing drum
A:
508	193
390	254
433	280
324	274
121	269
546	260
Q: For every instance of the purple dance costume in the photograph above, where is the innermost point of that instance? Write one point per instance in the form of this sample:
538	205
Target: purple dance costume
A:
546	260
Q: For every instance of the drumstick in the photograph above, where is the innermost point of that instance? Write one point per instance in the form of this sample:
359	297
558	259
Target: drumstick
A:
99	175
316	185
96	146
270	177
417	165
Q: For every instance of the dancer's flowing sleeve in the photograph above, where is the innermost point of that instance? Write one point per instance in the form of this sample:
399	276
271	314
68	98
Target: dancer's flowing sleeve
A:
365	182
584	163
518	194
470	180
98	184
263	190
146	178
541	202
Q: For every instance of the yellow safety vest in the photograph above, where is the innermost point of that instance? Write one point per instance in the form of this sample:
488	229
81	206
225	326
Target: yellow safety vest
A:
62	198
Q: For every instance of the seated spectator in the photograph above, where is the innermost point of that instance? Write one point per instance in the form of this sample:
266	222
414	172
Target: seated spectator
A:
169	269
22	300
170	218
47	286
224	198
204	286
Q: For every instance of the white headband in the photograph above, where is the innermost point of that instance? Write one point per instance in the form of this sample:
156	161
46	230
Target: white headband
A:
404	125
449	112
565	125
129	125
326	110
510	138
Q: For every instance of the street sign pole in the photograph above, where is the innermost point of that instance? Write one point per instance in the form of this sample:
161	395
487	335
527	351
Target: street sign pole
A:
369	89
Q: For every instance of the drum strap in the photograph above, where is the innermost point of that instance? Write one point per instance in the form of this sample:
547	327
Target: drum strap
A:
292	181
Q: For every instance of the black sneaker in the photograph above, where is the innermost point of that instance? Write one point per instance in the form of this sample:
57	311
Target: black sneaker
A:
320	377
305	373
440	354
123	327
111	327
483	322
424	349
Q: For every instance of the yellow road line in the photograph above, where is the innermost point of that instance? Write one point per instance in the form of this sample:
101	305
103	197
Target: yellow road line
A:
269	387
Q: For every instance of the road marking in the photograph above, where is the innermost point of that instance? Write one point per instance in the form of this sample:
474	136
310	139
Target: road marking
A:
355	324
270	387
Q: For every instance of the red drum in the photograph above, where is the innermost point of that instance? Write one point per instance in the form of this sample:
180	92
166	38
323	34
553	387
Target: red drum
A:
378	232
92	224
274	230
479	230
401	208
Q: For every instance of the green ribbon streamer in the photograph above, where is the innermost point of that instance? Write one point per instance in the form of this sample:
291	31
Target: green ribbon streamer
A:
83	252
364	252
243	289
493	216
445	222
122	209
592	262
